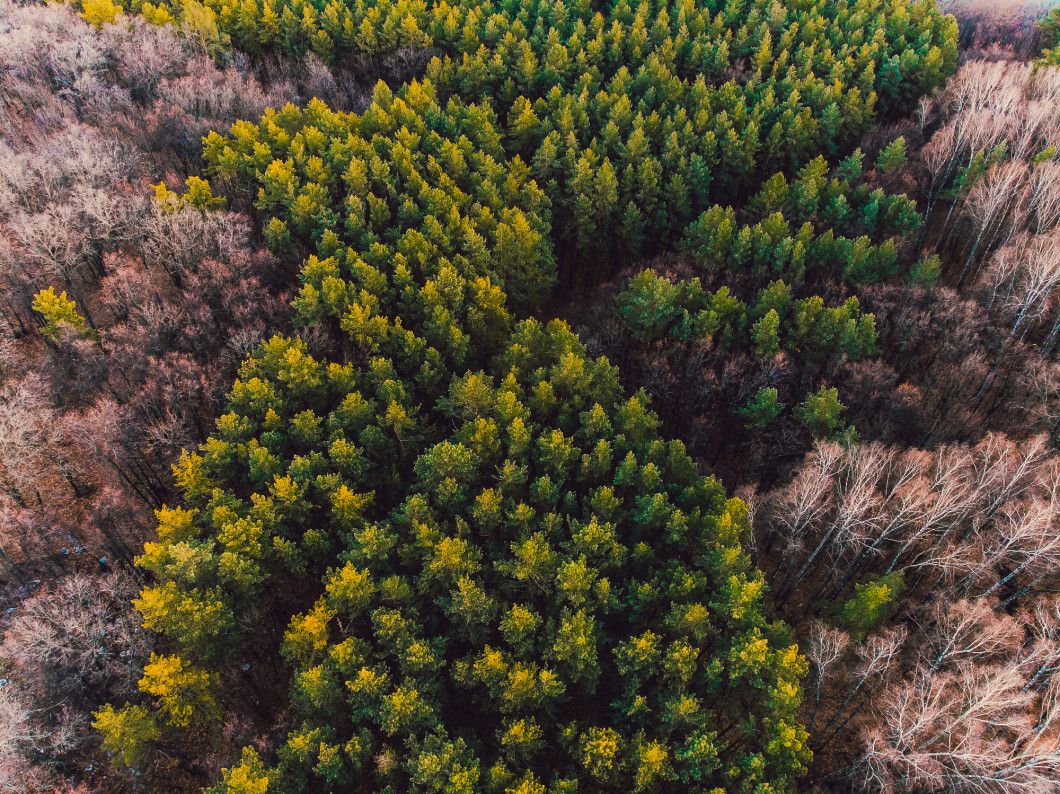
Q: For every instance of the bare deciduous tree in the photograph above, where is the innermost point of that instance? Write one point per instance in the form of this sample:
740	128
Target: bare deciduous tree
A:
823	651
969	630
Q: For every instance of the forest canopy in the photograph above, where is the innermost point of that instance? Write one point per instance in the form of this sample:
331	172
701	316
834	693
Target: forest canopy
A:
523	585
492	286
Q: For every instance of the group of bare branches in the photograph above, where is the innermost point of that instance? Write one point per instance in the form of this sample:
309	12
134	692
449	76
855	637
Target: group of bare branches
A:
991	180
951	519
88	121
976	710
68	649
968	699
959	690
998	29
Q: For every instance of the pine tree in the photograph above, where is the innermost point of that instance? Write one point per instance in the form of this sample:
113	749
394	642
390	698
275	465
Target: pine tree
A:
870	604
762	409
764	336
820	413
892	157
